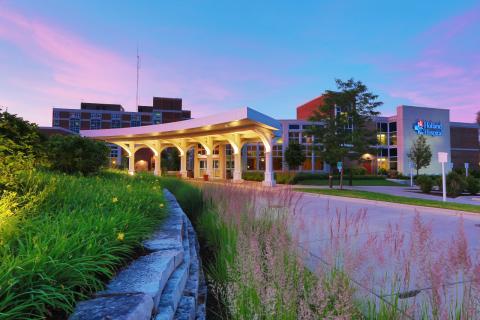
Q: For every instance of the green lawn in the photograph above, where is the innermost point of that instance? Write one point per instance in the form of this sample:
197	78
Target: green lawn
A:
359	182
395	199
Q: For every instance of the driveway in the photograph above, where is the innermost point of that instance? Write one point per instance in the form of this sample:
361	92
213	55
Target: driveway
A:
410	192
390	249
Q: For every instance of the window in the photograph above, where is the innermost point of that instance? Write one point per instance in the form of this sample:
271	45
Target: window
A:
116	123
318	163
393	139
95	124
74	115
56	122
116	116
228	150
382	127
307	126
306	138
252	157
277	160
216	150
135	120
157	118
113	151
293	126
252	150
294	137
201	150
382	138
392	126
74	125
95	115
56	114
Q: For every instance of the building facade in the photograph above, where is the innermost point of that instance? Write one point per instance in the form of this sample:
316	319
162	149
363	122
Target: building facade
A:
395	136
95	116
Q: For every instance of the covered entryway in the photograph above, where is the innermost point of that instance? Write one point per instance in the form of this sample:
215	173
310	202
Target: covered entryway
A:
216	142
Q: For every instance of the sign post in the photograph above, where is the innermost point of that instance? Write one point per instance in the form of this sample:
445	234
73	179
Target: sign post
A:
466	169
443	158
410	165
340	169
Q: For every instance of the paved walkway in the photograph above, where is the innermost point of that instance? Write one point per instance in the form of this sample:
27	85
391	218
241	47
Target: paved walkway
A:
410	192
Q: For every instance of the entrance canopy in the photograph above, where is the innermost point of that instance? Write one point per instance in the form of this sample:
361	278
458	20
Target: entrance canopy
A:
235	127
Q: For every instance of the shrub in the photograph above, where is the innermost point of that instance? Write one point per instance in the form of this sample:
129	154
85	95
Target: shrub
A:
382	171
253	175
284	177
356	171
392	174
473	185
455	184
425	183
75	154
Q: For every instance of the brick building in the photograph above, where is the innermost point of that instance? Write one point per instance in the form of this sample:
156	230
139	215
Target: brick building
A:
93	116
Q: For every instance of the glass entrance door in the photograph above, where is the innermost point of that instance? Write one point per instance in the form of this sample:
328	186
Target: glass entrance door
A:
216	168
203	167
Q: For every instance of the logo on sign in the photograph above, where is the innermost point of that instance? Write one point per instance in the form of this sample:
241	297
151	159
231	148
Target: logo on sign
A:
428	128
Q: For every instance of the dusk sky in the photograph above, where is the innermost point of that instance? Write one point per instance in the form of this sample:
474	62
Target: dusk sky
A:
219	55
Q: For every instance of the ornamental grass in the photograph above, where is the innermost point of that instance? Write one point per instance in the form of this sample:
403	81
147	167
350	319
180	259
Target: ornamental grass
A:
267	257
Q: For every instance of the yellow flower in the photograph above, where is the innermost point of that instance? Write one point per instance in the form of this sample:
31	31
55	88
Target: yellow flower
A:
161	205
114	199
120	236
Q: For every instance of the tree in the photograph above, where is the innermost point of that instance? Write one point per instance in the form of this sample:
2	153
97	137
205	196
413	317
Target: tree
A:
72	154
478	117
420	153
294	155
345	114
21	148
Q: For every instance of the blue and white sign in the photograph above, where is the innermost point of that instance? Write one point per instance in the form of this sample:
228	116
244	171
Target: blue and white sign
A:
428	128
339	165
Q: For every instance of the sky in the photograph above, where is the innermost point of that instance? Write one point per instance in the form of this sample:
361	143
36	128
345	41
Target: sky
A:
218	55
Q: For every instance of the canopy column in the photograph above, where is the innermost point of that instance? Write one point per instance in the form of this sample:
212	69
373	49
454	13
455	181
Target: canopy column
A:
158	165
183	164
237	166
267	139
131	164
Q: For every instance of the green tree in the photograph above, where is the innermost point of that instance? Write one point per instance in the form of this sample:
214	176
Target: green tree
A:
345	115
420	153
22	135
75	154
21	148
294	155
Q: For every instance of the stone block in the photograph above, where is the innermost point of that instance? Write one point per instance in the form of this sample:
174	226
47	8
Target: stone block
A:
165	313
173	291
147	275
136	306
186	309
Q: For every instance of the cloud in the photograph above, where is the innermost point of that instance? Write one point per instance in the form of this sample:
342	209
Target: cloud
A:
445	72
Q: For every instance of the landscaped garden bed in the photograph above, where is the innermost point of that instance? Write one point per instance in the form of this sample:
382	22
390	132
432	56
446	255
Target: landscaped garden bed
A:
65	236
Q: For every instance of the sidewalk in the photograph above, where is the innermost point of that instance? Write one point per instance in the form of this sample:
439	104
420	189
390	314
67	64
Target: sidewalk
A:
409	192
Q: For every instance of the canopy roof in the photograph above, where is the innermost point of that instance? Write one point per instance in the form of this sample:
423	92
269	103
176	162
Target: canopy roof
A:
244	121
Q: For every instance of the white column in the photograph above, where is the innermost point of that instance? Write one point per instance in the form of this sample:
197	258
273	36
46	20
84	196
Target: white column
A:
131	164
269	180
158	164
237	170
183	164
210	166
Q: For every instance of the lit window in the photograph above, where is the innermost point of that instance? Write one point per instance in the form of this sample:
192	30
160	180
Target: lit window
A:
95	124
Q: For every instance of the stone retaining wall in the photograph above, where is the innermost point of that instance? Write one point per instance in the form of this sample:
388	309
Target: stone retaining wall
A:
168	283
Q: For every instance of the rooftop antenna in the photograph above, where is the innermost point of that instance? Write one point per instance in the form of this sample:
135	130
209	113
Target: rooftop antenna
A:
138	73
